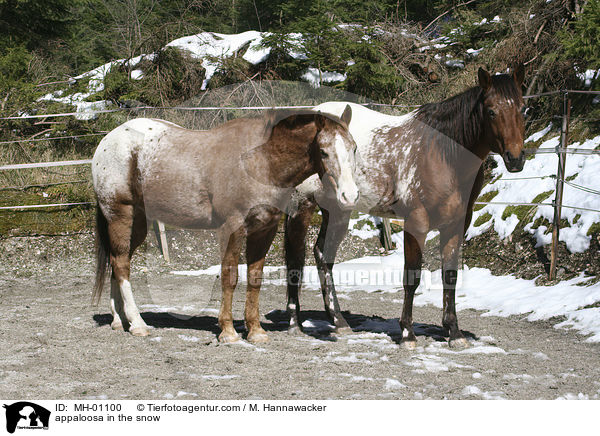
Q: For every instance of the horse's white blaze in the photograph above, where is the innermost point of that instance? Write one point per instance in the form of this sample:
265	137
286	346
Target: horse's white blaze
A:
347	189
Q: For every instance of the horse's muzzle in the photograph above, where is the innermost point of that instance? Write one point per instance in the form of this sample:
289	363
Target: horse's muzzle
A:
348	199
514	164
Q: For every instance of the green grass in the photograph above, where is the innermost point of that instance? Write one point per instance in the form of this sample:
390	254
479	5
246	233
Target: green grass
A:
42	221
488	196
482	219
594	229
523	212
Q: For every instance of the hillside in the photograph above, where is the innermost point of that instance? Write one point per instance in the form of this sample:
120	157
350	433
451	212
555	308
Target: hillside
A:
339	50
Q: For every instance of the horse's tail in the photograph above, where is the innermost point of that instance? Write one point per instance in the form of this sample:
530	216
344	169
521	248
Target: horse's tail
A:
102	254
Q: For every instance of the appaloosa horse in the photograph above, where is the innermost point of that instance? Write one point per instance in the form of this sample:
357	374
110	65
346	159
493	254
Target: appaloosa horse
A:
236	178
425	166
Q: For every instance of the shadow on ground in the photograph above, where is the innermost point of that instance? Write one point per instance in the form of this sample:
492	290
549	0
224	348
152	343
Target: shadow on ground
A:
319	328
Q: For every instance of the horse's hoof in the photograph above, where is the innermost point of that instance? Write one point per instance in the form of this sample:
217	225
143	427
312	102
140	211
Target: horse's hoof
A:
258	337
139	331
117	326
228	338
459	343
346	330
409	345
295	330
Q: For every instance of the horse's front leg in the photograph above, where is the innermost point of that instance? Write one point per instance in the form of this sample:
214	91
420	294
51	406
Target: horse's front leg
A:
229	277
296	227
257	246
414	241
450	240
333	230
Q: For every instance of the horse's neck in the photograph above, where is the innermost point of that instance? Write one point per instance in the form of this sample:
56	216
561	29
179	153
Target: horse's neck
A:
288	163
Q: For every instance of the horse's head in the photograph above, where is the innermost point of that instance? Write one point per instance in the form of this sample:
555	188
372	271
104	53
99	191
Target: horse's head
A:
503	115
334	154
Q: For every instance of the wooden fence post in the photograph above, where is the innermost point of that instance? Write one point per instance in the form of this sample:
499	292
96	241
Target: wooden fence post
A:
387	234
561	149
159	229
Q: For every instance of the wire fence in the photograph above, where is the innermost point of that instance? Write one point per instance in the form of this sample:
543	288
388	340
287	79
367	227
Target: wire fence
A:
557	150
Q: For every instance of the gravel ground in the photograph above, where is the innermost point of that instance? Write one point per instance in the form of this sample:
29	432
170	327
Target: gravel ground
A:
57	346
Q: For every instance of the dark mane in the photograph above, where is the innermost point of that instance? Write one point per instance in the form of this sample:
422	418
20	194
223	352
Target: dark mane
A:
458	119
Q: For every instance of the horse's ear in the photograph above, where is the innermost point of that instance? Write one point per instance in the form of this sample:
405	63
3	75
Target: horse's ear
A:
347	115
485	80
519	75
320	121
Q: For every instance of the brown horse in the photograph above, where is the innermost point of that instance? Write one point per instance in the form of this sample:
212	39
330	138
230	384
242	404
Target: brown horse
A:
426	167
236	178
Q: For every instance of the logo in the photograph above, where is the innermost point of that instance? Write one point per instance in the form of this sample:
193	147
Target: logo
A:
25	415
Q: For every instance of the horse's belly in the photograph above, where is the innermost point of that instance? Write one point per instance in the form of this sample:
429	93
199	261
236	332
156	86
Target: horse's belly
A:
190	209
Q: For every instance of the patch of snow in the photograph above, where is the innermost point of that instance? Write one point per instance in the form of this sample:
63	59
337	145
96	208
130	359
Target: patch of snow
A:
137	74
219	377
537	177
474	390
183	394
424	363
454	63
569	396
588	77
539	135
316	77
473	52
188	338
520	296
392	384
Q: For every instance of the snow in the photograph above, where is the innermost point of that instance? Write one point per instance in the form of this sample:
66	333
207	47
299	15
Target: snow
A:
477	288
392	384
313	77
539	135
537	177
588	77
474	390
209	47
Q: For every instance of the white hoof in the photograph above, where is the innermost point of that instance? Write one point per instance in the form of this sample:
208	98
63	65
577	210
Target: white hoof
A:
459	343
228	338
409	345
343	330
258	337
139	331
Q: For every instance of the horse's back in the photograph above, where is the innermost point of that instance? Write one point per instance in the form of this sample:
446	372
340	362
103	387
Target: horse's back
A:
117	156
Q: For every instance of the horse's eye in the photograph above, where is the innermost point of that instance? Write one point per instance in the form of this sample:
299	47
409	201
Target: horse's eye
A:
491	113
324	154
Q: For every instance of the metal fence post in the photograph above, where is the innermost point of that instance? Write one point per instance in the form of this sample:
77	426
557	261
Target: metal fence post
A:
561	150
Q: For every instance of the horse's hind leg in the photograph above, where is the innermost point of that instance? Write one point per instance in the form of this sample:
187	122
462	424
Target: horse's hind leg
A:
413	259
296	227
333	229
450	240
123	239
257	246
138	234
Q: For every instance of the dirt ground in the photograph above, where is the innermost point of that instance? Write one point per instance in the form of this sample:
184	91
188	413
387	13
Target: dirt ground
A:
55	345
